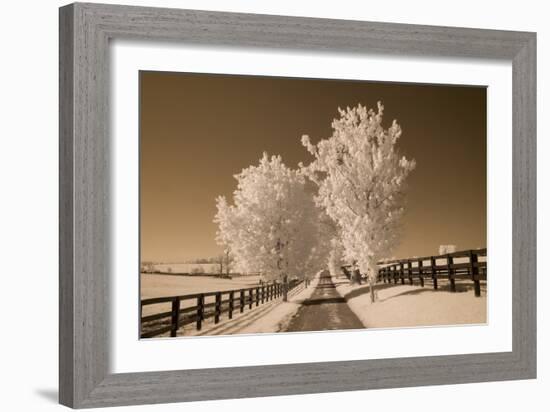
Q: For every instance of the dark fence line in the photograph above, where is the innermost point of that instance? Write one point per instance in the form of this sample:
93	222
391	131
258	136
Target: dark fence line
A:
230	275
430	267
230	302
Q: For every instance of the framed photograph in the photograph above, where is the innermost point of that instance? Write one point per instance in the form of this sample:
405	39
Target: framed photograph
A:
256	205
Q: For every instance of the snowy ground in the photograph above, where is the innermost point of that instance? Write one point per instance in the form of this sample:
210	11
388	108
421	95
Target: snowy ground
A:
188	267
154	285
267	318
406	305
270	317
192	269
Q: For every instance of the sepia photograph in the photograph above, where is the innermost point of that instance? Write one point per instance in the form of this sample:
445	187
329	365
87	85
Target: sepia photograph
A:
280	205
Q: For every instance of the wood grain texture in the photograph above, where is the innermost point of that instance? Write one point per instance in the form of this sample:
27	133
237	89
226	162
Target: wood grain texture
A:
85	31
524	225
66	228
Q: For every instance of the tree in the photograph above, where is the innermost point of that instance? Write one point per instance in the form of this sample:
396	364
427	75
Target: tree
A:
335	256
219	261
444	249
272	227
227	261
360	175
223	262
197	270
147	267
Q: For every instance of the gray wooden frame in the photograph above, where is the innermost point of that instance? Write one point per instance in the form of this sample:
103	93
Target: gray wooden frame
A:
85	31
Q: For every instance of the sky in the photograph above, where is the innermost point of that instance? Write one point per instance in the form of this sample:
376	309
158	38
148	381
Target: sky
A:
198	130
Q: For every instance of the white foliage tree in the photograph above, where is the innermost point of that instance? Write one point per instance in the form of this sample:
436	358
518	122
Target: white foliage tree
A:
444	249
335	257
361	176
272	227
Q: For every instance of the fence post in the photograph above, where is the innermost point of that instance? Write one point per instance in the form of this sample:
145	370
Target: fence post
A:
175	317
396	274
200	311
402	273
474	271
250	298
231	303
451	274
420	273
285	289
218	307
140	319
241	300
434	272
263	294
409	271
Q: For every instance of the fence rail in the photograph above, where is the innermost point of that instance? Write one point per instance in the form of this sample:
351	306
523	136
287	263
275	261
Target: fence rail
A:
473	266
230	302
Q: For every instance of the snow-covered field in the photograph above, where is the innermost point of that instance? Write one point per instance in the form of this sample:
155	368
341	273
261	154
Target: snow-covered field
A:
155	285
396	305
267	318
187	267
406	305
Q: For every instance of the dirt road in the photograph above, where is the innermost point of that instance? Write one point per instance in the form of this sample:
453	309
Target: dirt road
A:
324	310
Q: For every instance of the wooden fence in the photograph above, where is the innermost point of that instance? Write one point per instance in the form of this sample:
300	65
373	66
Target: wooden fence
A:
230	302
467	264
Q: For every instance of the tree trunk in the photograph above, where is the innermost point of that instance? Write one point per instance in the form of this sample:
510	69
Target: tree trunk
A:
227	261
356	276
371	286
